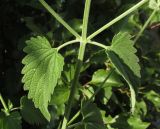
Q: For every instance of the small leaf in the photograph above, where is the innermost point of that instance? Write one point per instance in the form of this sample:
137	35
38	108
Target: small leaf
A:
29	113
122	45
137	123
43	66
92	118
12	121
154	98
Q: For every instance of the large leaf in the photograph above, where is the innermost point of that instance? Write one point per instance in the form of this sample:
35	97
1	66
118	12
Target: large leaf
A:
122	55
12	121
92	118
29	113
43	66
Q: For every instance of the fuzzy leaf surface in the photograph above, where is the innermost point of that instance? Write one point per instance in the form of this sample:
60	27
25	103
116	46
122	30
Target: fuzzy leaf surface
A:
43	66
122	55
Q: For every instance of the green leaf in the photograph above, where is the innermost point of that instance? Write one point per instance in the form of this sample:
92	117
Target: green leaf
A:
100	75
137	123
154	4
92	118
43	66
60	95
29	113
154	98
122	45
12	121
122	55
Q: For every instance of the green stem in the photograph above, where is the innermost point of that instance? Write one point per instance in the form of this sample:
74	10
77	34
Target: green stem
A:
4	105
145	26
98	44
95	93
67	43
71	30
75	125
78	65
142	2
85	20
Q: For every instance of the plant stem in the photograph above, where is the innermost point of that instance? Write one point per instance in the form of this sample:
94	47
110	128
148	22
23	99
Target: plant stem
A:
67	43
95	93
71	30
117	19
78	65
98	44
145	26
85	20
75	125
4	105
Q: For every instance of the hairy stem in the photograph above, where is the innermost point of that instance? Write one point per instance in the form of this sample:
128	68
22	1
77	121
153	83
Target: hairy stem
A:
142	2
145	26
4	105
78	65
67	43
49	9
98	44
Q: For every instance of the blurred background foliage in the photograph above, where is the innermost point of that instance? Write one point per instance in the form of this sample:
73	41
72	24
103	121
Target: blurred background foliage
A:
21	19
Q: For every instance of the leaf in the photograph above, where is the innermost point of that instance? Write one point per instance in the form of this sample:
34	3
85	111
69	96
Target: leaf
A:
154	98
100	75
92	118
43	66
60	95
29	113
137	123
126	74
122	55
122	45
154	4
12	121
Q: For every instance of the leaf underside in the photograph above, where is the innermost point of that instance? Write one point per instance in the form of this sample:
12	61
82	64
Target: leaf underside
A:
122	55
43	66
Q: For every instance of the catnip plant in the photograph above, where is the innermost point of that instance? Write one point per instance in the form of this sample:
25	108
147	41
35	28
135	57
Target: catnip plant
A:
44	64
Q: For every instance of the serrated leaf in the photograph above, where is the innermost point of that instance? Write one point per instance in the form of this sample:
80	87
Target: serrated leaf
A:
122	55
43	66
92	118
12	121
29	113
127	74
122	45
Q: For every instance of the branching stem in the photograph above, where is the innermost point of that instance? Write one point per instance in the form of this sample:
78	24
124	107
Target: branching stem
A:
65	24
67	43
142	2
